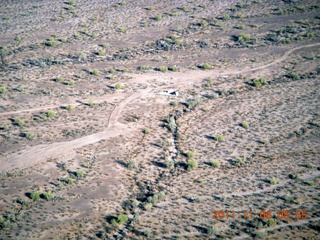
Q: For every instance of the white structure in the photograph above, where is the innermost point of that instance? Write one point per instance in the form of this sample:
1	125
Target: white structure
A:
170	92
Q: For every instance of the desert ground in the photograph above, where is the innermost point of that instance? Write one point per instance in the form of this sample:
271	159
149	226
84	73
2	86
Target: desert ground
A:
160	119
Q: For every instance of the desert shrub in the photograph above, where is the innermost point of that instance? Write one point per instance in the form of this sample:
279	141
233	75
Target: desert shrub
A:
226	17
29	135
158	17
123	29
245	125
177	42
118	86
206	66
69	180
102	52
69	107
131	163
47	195
144	68
289	198
3	90
204	23
215	163
80	173
71	2
64	40
147	206
35	195
310	35
171	123
311	183
274	181
219	137
17	121
244	38
95	72
52	42
211	230
147	233
294	76
122	218
63	165
22	201
190	154
169	164
147	131
59	79
173	68
82	56
5	128
50	113
240	15
192	164
242	26
91	103
271	222
240	162
163	69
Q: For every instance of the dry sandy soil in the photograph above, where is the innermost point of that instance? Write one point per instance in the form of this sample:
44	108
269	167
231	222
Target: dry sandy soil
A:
90	148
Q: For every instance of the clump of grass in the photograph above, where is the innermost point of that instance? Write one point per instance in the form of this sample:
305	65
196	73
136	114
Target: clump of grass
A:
3	90
5	128
59	79
69	82
35	196
244	38
148	206
91	103
259	82
245	125
206	66
50	113
240	162
69	107
158	17
163	69
226	17
69	180
95	72
192	164
204	23
289	198
311	183
102	52
219	137
17	121
118	86
173	68
131	163
52	42
147	131
169	164
190	154
123	29
274	181
29	135
144	68
294	76
271	222
80	173
47	195
215	163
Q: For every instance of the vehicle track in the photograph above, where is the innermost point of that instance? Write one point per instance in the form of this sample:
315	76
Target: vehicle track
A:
37	154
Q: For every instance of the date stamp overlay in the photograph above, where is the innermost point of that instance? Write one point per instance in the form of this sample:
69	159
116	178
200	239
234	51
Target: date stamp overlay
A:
299	214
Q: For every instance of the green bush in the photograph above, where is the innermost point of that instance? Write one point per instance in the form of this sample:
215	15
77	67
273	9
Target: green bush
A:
271	222
273	181
215	163
50	114
91	103
219	137
144	68
29	135
204	23
192	164
59	79
118	86
123	29
294	76
95	72
245	125
69	180
240	162
47	195
148	206
52	42
17	121
35	195
226	17
289	198
69	107
80	173
3	90
244	38
206	66
190	154
158	17
147	131
163	69
102	52
131	163
169	164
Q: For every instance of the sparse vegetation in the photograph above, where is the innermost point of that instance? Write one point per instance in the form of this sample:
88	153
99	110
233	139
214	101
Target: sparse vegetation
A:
47	195
3	90
69	107
244	38
17	121
80	173
118	86
215	163
274	181
35	196
50	114
190	154
245	125
219	137
192	164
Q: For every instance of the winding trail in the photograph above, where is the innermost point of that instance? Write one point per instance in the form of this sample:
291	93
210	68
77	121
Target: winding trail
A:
37	154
